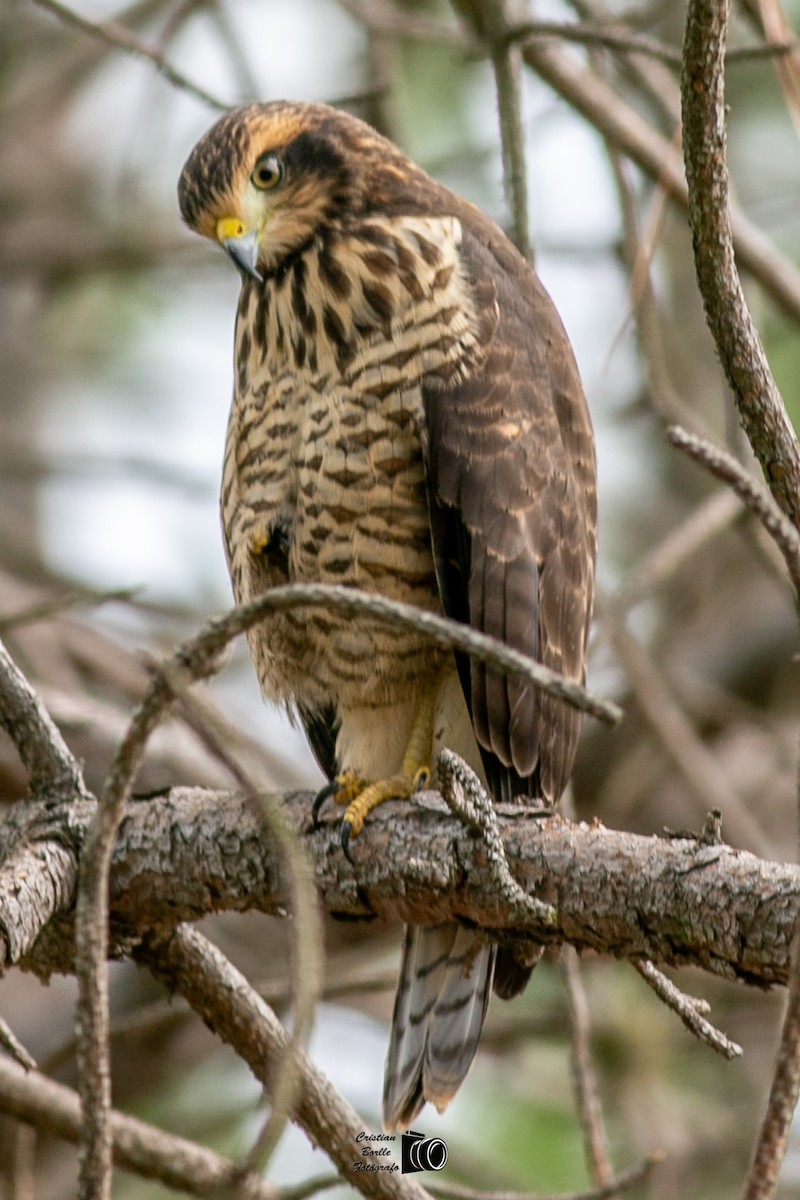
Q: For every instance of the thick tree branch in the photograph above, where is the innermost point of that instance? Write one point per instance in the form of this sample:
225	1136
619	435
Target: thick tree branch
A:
191	965
674	901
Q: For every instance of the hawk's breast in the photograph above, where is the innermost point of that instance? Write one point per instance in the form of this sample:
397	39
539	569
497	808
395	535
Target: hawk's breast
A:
324	476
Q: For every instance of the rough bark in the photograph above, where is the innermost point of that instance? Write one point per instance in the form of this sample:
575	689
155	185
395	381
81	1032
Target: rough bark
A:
676	901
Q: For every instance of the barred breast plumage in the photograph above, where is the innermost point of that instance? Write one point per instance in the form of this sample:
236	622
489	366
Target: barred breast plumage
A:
324	478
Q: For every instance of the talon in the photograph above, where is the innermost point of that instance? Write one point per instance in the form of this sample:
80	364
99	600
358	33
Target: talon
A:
322	795
345	835
421	779
342	789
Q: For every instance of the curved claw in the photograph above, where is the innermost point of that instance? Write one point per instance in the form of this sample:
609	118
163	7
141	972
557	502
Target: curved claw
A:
344	836
324	794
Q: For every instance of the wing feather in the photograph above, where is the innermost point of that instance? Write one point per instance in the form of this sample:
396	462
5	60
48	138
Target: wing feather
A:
321	728
511	479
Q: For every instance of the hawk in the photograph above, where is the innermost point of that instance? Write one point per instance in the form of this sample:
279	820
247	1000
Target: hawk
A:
408	419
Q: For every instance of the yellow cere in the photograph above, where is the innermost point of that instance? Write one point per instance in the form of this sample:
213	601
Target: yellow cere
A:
229	227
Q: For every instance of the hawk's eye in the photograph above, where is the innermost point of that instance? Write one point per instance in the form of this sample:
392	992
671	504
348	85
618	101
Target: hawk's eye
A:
267	172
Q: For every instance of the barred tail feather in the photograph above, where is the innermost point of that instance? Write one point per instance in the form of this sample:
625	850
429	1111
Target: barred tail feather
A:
445	982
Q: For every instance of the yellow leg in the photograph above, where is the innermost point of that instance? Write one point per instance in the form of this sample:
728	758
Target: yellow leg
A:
361	797
420	743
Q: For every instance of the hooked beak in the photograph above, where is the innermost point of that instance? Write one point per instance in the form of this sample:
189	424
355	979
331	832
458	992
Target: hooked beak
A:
240	245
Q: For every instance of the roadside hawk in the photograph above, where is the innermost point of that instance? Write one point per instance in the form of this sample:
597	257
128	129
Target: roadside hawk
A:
408	419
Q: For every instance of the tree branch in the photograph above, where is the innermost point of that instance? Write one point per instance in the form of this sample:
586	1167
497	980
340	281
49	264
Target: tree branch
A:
761	409
307	953
610	1191
138	1147
690	1010
624	127
674	901
116	37
584	1078
725	467
491	20
191	965
52	769
773	1137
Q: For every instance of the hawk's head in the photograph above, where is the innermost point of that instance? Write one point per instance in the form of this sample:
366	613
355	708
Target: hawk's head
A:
265	180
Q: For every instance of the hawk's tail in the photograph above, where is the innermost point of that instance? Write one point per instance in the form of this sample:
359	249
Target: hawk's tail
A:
445	982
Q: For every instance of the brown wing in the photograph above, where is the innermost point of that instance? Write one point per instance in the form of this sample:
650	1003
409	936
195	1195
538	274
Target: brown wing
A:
511	476
321	728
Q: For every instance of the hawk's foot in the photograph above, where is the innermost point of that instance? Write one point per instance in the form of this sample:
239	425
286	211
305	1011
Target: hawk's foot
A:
360	797
396	787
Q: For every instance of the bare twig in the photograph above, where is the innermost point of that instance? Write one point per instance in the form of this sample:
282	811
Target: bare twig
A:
13	1046
716	514
690	1010
702	774
761	409
490	20
377	16
91	947
309	1187
409	26
441	630
622	1183
52	770
762	1179
247	85
725	467
137	1146
18	1165
624	127
663	396
629	42
509	100
586	33
118	38
161	1014
470	802
56	605
307	950
595	1140
787	66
